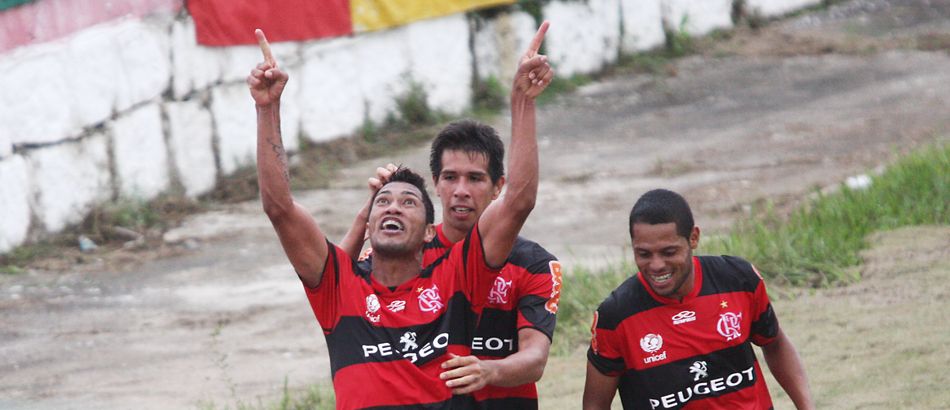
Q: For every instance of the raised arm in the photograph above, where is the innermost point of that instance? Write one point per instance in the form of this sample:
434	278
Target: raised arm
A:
786	367
502	220
299	234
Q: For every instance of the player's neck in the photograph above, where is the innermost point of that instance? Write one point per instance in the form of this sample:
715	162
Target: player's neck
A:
392	270
453	235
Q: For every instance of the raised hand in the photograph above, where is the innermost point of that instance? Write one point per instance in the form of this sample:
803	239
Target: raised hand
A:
381	178
534	73
266	81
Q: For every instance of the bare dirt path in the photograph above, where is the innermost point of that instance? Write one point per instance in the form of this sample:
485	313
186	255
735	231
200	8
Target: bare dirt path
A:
802	104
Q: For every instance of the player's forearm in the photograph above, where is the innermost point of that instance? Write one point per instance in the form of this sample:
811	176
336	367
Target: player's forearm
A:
522	187
273	175
787	368
352	242
519	368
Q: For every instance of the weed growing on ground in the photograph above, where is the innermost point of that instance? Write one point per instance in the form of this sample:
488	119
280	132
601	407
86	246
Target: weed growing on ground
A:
316	397
581	293
817	244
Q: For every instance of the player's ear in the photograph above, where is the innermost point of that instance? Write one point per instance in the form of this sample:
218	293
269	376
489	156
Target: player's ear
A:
498	185
694	238
430	232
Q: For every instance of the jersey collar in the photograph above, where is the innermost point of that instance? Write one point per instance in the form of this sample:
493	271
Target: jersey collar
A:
697	286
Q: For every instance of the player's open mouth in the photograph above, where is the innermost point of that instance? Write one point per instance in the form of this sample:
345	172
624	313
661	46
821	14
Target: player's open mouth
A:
662	278
392	225
462	210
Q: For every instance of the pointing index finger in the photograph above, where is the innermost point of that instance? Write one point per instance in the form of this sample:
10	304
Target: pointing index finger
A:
265	48
538	39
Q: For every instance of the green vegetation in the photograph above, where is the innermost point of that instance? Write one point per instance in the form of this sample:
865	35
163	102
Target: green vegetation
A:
489	96
561	85
817	244
317	397
582	291
110	225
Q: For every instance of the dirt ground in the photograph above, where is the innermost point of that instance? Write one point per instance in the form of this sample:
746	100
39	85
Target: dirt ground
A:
800	105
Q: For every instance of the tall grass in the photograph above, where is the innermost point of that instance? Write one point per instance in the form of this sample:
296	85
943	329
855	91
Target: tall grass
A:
581	292
818	243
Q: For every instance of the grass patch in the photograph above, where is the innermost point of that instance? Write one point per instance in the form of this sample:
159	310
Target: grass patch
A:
562	85
819	244
124	223
316	397
582	292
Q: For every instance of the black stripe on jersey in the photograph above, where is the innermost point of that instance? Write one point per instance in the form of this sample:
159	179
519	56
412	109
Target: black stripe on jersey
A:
530	256
509	403
727	371
532	308
740	278
627	300
493	337
766	325
354	341
428	270
455	403
605	365
435	243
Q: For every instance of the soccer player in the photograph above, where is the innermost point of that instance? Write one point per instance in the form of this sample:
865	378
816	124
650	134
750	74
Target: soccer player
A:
389	329
679	334
513	338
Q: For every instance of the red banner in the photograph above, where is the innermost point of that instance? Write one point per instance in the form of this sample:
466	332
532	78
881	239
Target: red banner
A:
230	22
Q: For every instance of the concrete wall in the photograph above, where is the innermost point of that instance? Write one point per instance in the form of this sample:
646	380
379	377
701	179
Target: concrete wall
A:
132	108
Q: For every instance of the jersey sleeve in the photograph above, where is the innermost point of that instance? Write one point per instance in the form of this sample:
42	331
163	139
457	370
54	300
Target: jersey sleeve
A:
606	347
539	292
470	272
325	297
765	324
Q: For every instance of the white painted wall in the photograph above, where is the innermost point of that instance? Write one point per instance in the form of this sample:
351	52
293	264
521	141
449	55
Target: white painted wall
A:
697	17
140	154
584	36
14	202
68	179
642	25
137	106
772	8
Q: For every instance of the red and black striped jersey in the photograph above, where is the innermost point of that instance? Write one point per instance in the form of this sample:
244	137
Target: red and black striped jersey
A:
694	353
524	295
386	345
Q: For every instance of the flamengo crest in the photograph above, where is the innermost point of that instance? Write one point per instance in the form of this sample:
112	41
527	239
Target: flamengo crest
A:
499	291
729	325
430	300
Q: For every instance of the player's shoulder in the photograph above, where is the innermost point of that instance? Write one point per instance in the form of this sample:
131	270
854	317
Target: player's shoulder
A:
529	255
628	299
730	272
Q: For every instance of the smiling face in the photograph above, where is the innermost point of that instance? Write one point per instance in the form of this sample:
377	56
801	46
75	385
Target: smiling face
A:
397	220
466	189
664	257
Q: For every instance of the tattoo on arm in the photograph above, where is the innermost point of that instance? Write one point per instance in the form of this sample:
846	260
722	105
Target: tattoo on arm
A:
281	157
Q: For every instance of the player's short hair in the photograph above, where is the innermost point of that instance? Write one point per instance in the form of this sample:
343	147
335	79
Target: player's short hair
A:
471	137
661	206
404	174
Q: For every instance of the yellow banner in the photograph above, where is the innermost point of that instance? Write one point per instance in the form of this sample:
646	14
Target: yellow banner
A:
369	15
